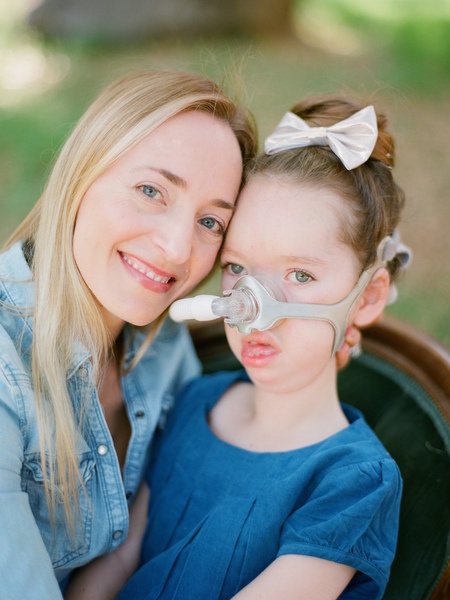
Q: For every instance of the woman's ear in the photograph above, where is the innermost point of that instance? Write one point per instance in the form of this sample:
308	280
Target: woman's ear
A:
373	300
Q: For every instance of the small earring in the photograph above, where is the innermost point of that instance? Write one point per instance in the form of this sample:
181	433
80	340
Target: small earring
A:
356	351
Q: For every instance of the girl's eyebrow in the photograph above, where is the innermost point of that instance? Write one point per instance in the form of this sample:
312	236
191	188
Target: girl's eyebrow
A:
303	259
234	254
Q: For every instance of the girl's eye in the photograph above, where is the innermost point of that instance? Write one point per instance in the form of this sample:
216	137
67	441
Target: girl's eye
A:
150	191
213	225
234	269
299	277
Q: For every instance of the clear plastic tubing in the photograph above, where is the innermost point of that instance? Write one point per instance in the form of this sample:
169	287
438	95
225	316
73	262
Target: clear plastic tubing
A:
238	306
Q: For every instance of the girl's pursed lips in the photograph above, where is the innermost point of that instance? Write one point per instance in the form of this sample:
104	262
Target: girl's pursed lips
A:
261	339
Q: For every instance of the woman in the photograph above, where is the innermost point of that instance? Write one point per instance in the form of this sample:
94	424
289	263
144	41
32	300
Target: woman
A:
132	217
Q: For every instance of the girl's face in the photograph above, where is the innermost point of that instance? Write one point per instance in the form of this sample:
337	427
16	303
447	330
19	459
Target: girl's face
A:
149	228
289	235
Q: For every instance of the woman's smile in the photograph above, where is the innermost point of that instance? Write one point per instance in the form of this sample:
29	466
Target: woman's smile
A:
151	273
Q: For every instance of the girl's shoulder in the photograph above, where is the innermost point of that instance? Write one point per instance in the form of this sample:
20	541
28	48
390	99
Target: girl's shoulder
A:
200	393
362	443
207	389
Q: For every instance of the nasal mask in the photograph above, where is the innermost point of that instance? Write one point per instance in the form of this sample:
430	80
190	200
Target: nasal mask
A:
251	306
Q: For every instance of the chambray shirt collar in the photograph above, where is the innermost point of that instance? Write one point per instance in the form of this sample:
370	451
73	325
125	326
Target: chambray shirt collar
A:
19	292
14	269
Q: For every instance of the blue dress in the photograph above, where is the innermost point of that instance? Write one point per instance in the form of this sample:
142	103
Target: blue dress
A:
219	514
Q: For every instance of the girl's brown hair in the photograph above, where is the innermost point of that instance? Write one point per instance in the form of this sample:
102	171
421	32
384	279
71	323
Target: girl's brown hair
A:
374	199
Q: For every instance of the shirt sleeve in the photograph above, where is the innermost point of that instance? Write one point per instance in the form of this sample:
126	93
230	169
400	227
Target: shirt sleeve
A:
25	566
351	517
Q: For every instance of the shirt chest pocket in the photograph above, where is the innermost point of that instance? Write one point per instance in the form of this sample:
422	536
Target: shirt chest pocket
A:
61	545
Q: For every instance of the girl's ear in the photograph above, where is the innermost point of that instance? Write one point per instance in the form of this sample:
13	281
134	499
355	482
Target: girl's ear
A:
373	300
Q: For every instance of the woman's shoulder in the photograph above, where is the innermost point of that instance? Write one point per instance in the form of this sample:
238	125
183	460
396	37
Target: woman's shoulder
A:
16	389
13	265
16	321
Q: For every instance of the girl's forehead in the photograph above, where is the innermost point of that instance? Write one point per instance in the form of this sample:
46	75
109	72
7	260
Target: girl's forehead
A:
284	219
277	199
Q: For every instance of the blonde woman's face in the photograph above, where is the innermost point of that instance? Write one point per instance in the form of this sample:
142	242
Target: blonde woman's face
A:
148	229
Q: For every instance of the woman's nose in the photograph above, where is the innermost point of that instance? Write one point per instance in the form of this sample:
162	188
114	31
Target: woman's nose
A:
174	237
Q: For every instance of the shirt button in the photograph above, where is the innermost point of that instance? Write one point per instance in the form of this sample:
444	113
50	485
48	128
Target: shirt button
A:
139	414
83	372
128	495
117	534
102	449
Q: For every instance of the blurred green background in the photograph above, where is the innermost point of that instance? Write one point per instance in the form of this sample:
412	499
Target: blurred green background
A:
394	52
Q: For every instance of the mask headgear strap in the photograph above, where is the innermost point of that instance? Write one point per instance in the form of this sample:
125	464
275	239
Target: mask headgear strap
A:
271	310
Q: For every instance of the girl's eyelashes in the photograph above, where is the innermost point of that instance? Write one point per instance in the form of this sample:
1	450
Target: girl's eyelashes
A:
232	268
296	276
299	276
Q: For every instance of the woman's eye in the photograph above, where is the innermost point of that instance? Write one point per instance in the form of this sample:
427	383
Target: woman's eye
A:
213	225
299	277
150	191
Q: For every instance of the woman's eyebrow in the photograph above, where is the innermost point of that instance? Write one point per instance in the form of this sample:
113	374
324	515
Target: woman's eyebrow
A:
224	204
172	177
175	179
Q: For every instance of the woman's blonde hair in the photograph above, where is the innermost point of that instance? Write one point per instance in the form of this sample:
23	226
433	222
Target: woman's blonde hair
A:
65	309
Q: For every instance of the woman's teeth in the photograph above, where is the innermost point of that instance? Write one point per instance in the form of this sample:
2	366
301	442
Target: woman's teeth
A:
148	273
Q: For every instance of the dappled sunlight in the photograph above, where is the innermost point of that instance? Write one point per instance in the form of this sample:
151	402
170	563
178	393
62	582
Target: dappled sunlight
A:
26	68
315	29
333	26
398	9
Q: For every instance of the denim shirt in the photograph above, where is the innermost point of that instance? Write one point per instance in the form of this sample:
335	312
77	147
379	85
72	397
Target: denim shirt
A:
33	556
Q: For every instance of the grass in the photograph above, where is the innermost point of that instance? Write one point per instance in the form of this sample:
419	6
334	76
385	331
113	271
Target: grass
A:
394	51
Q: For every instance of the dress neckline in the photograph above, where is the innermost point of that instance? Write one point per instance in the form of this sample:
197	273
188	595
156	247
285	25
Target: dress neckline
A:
206	406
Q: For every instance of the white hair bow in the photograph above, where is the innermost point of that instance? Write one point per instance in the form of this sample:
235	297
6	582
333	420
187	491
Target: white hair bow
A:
352	140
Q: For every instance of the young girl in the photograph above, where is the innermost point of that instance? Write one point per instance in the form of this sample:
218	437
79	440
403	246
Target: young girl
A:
263	485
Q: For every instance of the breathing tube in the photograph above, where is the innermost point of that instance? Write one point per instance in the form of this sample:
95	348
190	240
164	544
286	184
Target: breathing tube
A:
250	306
